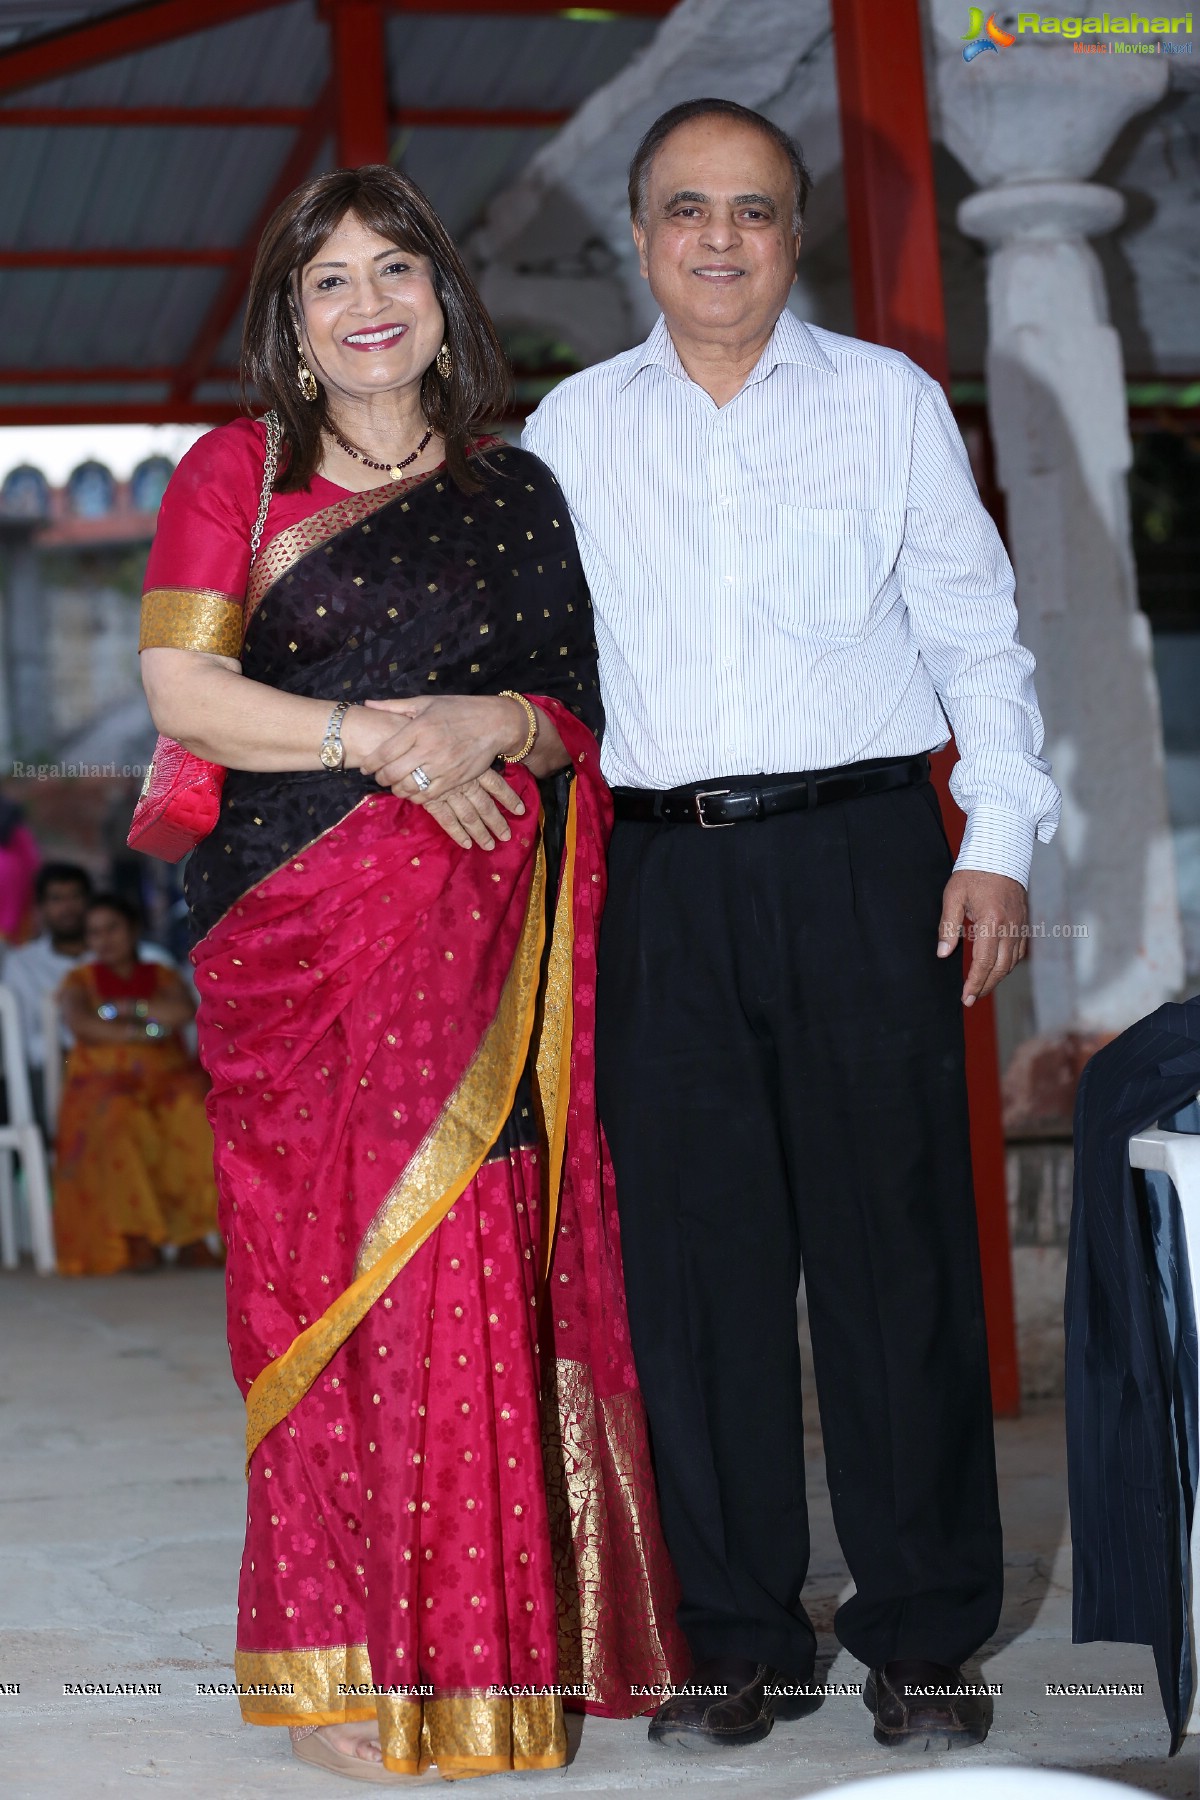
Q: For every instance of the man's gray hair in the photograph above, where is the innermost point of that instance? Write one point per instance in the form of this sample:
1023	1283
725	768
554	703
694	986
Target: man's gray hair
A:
666	123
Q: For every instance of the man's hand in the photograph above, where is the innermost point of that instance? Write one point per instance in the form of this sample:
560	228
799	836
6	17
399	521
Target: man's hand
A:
993	912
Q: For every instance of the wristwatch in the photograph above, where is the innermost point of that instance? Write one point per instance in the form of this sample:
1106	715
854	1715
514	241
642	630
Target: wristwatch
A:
333	751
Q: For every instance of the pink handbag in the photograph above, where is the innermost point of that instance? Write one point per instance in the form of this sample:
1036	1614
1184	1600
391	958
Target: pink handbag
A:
181	795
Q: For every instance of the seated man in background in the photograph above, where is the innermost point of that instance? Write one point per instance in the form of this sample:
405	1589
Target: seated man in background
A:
34	970
135	1153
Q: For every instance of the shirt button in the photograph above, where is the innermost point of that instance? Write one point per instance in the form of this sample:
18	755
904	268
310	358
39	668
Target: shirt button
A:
729	580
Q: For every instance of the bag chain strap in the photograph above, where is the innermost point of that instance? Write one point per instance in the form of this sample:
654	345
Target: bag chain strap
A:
270	468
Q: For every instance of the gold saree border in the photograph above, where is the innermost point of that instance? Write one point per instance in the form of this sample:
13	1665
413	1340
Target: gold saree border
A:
465	1732
473	1733
288	546
191	619
552	1067
313	1677
447	1160
597	1464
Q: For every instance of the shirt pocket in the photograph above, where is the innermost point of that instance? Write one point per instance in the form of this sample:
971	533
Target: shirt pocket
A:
824	568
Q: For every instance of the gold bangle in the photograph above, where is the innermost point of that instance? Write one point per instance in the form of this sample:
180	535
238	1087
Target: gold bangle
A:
530	714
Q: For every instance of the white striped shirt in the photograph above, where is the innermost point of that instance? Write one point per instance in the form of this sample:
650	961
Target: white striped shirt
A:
802	578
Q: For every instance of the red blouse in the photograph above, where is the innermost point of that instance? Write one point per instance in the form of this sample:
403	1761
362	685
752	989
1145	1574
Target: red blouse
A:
200	560
142	984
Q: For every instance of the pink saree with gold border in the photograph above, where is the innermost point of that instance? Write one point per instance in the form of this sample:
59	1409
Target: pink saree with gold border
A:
451	1516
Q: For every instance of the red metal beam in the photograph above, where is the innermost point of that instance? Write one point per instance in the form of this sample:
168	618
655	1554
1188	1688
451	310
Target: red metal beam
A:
62	118
360	80
459	118
888	169
225	307
896	270
112	257
122	33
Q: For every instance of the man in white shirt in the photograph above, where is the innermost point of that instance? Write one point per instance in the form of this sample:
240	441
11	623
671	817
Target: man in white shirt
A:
796	587
34	970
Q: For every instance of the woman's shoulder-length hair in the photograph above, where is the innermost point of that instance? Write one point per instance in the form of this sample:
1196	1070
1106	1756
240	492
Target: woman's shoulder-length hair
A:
456	406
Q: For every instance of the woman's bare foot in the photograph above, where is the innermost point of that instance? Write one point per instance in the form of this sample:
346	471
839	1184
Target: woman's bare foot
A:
360	1738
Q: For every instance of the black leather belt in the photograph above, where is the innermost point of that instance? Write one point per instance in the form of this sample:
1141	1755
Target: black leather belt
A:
744	797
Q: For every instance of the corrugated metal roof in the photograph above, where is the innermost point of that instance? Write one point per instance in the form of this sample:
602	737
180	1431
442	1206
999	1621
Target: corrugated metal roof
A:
21	20
148	187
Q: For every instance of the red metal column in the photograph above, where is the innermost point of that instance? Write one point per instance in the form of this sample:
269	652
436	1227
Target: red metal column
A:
360	80
897	278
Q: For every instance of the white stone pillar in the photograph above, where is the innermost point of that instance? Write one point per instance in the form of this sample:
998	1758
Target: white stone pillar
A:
1038	121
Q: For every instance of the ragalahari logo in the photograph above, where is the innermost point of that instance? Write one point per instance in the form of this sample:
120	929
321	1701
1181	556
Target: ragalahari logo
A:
987	37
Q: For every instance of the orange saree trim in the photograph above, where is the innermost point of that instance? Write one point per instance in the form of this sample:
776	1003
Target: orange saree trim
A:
445	1163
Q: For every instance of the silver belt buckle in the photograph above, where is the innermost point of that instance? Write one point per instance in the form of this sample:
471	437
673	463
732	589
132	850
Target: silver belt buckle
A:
710	824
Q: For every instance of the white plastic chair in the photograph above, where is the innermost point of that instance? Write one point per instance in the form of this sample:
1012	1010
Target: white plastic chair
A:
1176	1154
22	1135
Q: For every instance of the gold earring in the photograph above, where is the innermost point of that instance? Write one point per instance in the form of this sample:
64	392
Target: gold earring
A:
443	362
306	381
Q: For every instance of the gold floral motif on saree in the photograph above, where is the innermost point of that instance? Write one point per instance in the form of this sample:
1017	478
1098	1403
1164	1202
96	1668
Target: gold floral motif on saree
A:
597	1463
476	1732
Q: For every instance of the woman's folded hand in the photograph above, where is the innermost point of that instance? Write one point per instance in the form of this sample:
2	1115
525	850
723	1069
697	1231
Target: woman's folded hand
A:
454	740
471	814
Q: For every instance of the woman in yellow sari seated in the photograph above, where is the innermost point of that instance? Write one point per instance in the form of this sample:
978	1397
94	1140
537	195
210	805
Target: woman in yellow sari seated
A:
451	1510
135	1151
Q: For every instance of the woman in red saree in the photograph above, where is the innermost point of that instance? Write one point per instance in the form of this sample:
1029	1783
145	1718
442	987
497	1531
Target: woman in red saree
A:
451	1514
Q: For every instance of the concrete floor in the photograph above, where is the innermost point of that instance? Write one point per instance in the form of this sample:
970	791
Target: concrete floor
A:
121	1498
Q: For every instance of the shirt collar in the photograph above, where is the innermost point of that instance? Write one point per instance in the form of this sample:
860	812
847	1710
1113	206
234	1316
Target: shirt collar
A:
790	342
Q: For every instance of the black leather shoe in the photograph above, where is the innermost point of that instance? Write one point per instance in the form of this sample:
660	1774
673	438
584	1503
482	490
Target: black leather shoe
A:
723	1706
925	1706
792	1699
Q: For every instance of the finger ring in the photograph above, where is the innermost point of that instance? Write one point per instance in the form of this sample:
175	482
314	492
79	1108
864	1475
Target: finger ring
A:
422	780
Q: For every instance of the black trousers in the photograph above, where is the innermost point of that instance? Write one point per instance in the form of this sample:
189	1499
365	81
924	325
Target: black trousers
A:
780	1066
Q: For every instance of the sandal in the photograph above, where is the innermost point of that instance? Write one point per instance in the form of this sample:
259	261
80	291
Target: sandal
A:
310	1747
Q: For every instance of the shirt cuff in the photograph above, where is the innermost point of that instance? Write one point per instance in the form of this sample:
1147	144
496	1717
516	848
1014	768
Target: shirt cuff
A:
997	842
